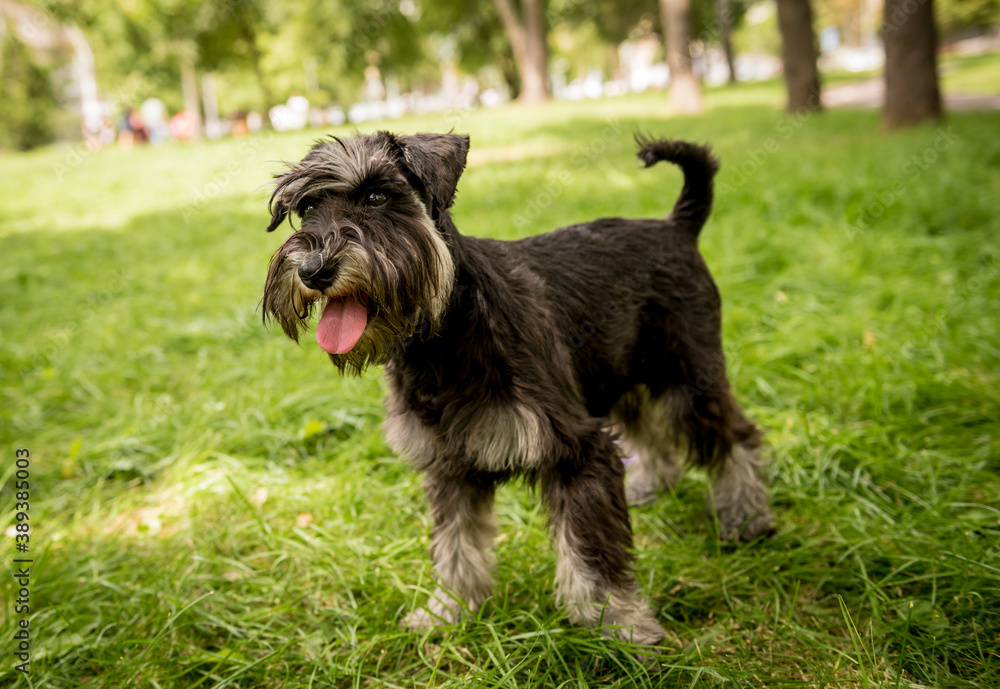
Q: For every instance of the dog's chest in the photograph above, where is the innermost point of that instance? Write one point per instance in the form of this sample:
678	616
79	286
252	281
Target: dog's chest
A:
492	437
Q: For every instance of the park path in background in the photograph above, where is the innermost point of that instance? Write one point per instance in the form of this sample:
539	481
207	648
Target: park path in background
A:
871	94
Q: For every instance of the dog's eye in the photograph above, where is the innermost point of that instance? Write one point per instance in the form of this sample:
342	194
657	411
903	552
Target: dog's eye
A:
306	211
377	198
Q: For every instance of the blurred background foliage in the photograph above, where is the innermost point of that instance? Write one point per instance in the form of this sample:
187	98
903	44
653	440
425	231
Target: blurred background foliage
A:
260	53
27	98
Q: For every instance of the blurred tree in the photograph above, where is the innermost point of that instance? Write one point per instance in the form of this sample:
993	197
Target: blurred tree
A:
727	22
799	54
955	15
911	79
108	32
859	20
260	50
342	39
27	98
615	19
228	32
856	20
711	21
527	31
684	94
383	34
318	30
479	44
184	22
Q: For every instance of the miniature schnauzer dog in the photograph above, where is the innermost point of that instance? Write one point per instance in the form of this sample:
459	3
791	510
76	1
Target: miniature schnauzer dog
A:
522	359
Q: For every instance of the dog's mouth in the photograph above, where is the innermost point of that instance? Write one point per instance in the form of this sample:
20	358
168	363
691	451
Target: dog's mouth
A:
342	324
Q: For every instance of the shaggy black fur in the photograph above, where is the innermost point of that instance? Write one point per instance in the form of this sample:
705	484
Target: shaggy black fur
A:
509	358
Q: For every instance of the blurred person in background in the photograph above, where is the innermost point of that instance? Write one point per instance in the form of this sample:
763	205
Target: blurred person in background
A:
182	126
132	129
154	114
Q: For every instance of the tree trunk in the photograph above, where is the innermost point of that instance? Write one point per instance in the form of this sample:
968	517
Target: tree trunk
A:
684	95
724	9
210	104
911	79
511	77
189	89
249	32
529	42
798	52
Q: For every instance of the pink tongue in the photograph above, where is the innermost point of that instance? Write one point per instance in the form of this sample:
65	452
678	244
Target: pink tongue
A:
341	325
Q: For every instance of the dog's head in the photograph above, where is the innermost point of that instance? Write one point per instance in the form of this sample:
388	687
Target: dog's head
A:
369	250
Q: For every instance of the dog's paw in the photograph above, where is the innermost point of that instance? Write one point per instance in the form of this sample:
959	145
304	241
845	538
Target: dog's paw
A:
645	636
646	632
435	616
639	495
420	620
746	520
641	485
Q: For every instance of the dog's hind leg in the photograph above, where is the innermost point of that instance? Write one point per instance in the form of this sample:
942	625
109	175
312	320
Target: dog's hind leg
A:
739	497
649	435
720	438
461	550
592	536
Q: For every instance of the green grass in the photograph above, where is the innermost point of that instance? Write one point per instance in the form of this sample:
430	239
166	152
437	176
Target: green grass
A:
976	74
212	506
960	74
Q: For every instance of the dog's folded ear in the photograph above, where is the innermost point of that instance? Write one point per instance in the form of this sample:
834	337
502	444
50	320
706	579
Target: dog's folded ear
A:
288	188
437	161
279	206
279	211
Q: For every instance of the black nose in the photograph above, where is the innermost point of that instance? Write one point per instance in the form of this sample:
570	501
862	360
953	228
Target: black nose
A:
316	273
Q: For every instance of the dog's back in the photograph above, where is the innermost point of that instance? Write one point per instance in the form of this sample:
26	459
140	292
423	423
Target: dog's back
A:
629	293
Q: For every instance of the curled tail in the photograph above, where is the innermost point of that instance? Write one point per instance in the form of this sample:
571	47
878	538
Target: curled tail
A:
699	165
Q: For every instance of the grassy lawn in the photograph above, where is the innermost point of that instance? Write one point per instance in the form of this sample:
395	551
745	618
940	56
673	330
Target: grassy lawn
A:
976	74
212	506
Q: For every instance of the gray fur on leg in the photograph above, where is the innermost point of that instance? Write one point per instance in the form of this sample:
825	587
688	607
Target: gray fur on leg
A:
739	497
461	549
654	471
649	434
618	611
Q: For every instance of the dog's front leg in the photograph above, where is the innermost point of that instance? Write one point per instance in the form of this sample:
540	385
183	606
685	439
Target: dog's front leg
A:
592	536
461	549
